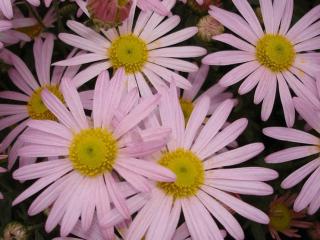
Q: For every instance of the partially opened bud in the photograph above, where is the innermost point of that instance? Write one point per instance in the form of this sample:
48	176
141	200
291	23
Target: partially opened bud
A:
109	13
209	27
15	231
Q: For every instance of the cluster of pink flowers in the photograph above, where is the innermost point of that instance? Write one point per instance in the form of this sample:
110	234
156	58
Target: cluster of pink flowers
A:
146	153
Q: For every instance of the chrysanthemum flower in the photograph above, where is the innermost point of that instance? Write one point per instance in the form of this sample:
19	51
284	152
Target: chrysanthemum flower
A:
38	29
8	33
203	186
141	50
86	154
6	6
309	196
27	104
188	98
270	57
283	219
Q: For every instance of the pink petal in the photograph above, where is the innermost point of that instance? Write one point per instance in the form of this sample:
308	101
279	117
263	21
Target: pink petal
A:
291	135
235	156
291	153
234	41
228	57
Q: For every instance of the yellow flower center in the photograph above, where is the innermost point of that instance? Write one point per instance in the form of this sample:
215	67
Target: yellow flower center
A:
280	217
32	31
187	108
93	151
189	173
122	3
128	51
37	109
275	52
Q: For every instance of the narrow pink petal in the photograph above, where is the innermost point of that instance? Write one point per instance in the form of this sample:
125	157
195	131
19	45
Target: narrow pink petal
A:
145	216
16	78
309	33
37	186
88	207
268	101
286	100
175	64
11	109
6	8
173	220
286	18
178	52
267	15
168	75
234	41
102	200
238	205
48	196
137	181
81	43
228	57
308	191
304	22
46	56
251	81
315	204
222	215
278	12
235	156
262	87
235	23
42	169
143	148
159	224
12	120
214	124
297	176
243	173
59	110
14	96
292	135
242	187
148	169
113	97
116	197
51	127
292	153
141	111
195	121
197	79
81	59
223	138
308	45
73	101
303	108
43	151
238	73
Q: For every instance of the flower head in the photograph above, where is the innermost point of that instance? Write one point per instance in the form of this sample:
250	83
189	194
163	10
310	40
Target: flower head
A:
88	156
310	193
275	56
26	103
141	50
203	186
283	219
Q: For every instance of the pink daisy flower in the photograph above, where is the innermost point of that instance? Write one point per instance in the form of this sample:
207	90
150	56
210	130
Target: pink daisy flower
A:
309	196
141	50
284	220
86	154
276	56
6	6
204	185
8	28
27	104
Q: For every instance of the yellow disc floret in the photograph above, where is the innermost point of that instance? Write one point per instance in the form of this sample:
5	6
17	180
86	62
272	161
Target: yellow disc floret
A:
189	173
280	217
275	52
93	151
128	51
187	108
32	31
37	109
